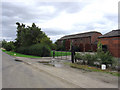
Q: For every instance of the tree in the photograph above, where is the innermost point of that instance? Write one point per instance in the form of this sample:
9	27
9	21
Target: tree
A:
99	47
30	35
105	57
4	43
9	46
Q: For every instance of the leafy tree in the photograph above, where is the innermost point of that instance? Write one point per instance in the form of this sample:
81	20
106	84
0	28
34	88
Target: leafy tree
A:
27	36
61	47
99	47
4	43
9	46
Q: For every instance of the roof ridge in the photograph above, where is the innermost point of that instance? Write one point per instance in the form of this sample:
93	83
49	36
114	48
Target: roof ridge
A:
82	33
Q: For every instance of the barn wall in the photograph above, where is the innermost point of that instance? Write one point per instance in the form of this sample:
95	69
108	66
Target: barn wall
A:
113	44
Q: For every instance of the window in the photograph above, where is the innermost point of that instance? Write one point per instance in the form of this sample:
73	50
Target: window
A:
104	48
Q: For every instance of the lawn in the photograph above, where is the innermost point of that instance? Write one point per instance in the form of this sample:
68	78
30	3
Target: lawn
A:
57	53
19	55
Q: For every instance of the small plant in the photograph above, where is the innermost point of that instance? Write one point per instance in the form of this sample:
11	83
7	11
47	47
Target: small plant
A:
78	56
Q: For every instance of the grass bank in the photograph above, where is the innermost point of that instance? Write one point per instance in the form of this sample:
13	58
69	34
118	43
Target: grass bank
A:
91	69
57	53
19	55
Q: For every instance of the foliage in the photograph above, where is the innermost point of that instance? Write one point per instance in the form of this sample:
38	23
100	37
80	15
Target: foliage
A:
19	55
59	53
9	46
4	43
99	47
106	58
92	69
31	40
27	36
101	57
61	46
78	56
77	49
90	58
54	46
42	50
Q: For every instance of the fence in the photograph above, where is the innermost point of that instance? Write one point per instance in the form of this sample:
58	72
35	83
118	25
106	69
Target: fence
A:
63	55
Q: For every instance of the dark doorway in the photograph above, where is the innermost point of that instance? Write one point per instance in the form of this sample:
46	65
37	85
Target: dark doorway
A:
104	48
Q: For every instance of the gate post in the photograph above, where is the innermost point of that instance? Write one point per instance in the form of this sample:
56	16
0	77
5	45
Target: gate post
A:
72	53
53	53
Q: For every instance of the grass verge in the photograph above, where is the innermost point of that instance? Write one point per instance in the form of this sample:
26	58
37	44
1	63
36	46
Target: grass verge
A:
57	53
91	69
19	55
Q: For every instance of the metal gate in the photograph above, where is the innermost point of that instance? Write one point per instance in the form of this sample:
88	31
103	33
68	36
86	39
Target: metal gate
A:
62	55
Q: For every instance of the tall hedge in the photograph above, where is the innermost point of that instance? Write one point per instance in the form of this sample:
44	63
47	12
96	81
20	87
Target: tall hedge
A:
42	50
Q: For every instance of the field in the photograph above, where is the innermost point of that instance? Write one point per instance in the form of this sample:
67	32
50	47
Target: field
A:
59	53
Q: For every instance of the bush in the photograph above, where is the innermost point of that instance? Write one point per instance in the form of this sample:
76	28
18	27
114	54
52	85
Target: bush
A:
38	50
4	43
78	56
23	50
106	58
61	48
88	58
9	46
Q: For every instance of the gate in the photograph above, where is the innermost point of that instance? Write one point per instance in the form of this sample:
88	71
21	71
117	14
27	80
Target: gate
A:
62	55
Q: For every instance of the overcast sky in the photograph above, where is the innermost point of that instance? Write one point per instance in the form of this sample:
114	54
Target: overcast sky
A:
57	19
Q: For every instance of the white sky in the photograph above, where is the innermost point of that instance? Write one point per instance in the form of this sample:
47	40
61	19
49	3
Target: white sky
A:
59	18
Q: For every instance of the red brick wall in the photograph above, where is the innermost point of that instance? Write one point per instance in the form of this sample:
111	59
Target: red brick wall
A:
113	44
67	44
84	43
94	37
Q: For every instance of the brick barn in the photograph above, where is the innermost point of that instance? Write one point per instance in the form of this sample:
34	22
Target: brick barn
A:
83	41
111	42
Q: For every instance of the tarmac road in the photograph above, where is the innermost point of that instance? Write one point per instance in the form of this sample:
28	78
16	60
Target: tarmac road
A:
19	75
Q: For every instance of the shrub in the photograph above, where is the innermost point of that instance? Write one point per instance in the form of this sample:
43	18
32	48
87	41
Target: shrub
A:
106	58
87	57
4	43
115	63
61	48
9	46
23	50
38	50
78	56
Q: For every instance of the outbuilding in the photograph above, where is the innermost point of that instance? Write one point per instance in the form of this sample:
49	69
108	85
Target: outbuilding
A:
83	41
111	42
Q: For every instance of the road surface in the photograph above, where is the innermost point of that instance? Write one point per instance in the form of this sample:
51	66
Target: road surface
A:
19	75
31	74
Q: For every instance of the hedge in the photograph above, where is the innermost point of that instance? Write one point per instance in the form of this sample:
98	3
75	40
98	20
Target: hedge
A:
42	50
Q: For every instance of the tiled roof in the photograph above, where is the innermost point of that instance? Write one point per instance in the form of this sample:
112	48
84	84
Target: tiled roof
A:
113	33
86	34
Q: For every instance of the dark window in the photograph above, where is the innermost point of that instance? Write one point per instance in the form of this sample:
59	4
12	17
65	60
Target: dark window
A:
104	48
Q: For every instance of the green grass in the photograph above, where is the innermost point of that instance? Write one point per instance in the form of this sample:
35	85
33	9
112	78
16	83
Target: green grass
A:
57	53
91	69
19	55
